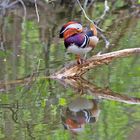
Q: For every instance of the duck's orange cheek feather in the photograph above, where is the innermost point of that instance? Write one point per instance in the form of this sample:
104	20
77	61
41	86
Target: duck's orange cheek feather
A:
69	33
71	124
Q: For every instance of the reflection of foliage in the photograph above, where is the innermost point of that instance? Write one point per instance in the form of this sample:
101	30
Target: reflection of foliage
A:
1	134
62	101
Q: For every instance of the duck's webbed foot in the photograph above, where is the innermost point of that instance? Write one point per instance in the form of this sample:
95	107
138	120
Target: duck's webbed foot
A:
80	60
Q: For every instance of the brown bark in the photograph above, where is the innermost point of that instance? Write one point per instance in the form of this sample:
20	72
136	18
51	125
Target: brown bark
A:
97	60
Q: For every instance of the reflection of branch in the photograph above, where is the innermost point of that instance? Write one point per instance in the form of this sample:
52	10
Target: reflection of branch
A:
22	81
6	86
94	61
15	82
14	110
102	93
29	131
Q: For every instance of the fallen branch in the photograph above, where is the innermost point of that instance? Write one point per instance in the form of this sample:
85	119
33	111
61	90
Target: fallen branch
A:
97	60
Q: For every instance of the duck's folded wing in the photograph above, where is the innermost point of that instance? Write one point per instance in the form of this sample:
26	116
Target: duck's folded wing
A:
81	40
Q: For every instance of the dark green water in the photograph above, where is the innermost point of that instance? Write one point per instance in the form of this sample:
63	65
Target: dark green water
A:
31	104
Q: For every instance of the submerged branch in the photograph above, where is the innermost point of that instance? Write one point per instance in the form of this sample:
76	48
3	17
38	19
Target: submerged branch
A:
97	60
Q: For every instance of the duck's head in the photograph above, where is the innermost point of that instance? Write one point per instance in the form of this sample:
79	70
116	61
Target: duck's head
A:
70	29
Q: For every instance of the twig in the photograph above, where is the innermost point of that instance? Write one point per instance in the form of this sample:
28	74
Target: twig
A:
36	9
107	43
91	2
12	4
2	46
4	4
85	4
24	8
99	29
106	9
88	17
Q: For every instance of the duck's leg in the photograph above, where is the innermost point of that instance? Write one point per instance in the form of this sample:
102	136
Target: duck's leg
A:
79	59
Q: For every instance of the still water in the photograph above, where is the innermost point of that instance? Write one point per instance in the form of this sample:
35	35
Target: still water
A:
99	106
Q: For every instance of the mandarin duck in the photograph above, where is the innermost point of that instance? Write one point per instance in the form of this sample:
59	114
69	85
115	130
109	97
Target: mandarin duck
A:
78	113
77	40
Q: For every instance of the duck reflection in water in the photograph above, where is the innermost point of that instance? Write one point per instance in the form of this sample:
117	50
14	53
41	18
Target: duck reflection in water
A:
80	112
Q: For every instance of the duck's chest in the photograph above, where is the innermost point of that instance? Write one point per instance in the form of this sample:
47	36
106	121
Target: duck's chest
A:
78	50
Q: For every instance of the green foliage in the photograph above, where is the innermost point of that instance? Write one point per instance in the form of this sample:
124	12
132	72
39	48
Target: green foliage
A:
27	115
53	109
43	103
119	3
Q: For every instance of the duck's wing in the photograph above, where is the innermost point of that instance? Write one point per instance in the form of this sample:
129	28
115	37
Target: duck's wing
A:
81	40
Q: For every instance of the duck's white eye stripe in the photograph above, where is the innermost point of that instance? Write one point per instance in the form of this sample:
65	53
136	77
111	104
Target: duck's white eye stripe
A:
76	25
